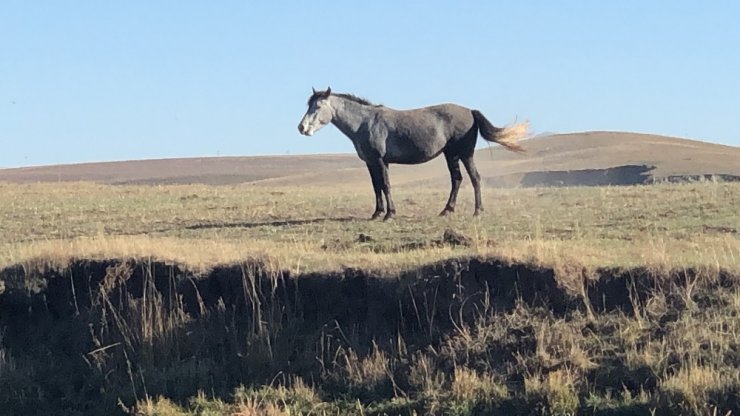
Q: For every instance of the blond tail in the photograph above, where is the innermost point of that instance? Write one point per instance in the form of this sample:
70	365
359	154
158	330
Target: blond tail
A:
505	136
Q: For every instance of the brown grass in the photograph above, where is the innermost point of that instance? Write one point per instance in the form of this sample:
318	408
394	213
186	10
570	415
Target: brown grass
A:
308	229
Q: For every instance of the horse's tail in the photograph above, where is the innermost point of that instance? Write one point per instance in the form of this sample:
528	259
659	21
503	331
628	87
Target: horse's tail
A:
505	136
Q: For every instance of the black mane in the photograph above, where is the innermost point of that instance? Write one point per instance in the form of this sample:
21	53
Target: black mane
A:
323	94
357	99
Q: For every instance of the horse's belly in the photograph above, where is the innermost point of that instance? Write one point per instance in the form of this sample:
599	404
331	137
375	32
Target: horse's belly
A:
407	152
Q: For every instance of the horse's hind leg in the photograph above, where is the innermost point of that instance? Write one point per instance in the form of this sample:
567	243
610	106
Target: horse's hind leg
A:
455	178
475	179
377	178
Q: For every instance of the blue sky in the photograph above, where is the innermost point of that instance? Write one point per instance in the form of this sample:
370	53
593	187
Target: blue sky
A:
95	81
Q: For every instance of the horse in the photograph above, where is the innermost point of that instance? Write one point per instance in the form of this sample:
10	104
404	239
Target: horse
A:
382	136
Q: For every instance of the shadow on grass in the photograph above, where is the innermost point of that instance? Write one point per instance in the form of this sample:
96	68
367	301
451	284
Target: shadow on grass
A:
276	223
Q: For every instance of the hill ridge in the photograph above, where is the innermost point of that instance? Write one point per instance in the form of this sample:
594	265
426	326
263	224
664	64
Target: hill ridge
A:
589	152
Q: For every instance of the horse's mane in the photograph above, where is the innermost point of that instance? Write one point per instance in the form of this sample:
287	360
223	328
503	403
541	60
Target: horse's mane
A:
320	94
357	99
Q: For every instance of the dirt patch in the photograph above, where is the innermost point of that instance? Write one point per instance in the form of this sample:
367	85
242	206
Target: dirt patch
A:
455	238
709	177
719	229
619	175
614	176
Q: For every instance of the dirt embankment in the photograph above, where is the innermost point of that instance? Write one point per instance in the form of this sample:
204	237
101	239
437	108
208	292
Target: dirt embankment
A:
613	176
349	297
114	329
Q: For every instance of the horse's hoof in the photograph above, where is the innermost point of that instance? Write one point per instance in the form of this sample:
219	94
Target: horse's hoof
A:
389	215
478	212
447	211
375	215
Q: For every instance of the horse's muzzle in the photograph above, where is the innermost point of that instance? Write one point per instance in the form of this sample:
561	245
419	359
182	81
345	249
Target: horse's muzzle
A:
303	130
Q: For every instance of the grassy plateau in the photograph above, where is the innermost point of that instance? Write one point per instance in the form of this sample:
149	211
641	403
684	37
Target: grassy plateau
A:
287	300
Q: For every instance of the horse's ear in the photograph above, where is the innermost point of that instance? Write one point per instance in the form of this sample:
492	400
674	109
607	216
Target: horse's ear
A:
313	90
328	91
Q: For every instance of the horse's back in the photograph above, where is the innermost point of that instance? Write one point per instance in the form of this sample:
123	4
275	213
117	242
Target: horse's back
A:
418	135
450	118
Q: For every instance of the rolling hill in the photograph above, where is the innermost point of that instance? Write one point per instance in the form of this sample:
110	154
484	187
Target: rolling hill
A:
589	158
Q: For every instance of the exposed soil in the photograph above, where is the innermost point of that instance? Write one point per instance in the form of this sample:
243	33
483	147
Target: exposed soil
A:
613	176
619	175
82	328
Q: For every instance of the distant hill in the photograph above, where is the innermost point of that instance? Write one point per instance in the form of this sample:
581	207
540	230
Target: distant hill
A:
207	170
591	158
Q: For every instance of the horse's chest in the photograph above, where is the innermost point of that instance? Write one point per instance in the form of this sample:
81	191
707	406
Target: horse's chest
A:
365	150
370	143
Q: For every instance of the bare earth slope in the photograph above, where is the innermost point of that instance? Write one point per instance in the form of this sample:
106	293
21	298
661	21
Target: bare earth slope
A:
206	170
591	158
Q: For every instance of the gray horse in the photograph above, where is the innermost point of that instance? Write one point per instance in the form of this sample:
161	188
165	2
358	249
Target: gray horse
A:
382	136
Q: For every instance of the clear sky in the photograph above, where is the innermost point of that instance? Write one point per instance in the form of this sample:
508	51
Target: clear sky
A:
114	80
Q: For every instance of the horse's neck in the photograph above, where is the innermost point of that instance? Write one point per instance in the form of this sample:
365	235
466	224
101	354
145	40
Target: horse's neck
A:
350	116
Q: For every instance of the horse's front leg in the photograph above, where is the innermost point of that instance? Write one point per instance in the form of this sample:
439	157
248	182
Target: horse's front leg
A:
391	212
376	177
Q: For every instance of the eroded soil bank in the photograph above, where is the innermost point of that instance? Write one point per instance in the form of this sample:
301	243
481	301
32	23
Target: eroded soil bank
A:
98	336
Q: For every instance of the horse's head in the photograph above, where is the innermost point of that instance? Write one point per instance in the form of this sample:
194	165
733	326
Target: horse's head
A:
319	113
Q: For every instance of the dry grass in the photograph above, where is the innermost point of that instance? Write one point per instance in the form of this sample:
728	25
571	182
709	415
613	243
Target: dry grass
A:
557	389
468	385
305	229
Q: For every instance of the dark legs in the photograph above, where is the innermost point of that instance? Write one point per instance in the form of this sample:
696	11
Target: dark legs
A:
377	179
475	179
382	186
379	176
463	153
456	179
387	191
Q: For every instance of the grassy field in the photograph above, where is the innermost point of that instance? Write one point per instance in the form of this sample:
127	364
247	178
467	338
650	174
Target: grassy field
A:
238	299
306	229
